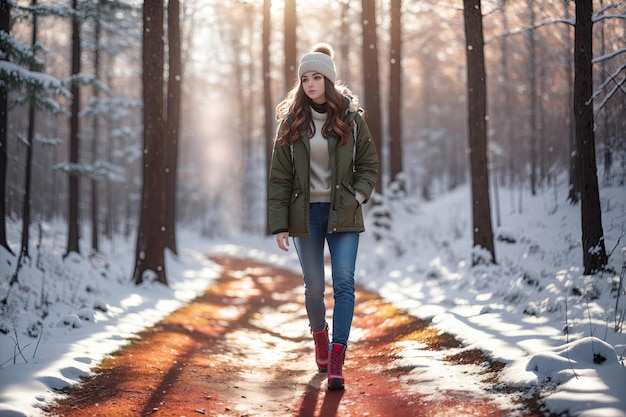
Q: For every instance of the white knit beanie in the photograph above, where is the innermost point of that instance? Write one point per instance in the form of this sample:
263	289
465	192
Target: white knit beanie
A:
320	59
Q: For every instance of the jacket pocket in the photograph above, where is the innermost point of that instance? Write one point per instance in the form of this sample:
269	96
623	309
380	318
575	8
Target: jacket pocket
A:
349	192
297	214
349	205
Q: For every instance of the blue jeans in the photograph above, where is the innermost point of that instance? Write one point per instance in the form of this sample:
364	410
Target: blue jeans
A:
343	248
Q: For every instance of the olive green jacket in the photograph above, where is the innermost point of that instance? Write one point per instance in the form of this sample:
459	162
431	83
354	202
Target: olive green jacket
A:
289	188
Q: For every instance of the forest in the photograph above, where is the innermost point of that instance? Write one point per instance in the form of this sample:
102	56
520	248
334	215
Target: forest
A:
125	118
135	138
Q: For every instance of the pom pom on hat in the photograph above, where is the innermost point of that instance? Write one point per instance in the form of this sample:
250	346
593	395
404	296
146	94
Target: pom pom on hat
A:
320	59
324	48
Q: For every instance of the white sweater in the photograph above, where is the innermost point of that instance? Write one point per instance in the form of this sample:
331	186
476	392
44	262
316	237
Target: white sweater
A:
320	164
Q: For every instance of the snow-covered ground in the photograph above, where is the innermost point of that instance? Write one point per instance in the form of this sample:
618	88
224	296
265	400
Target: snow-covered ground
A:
534	310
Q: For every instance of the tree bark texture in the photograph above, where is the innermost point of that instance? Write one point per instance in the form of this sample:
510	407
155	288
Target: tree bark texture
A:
477	111
532	80
371	83
28	169
291	38
594	253
151	235
174	93
395	96
5	25
574	183
73	180
96	137
345	43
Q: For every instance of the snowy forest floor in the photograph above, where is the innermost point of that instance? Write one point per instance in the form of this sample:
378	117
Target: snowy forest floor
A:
243	349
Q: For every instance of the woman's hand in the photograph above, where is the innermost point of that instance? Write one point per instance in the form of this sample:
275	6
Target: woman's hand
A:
282	239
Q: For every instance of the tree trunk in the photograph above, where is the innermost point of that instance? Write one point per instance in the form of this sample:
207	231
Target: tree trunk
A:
371	83
477	110
96	137
594	253
345	42
109	220
268	124
28	166
73	180
174	92
544	157
151	236
532	75
241	132
395	97
5	25
507	96
290	43
574	184
250	178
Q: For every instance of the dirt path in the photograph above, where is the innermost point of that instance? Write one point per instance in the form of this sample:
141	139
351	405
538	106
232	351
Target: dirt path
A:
243	349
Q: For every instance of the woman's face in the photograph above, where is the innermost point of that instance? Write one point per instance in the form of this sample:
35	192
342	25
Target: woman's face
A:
314	86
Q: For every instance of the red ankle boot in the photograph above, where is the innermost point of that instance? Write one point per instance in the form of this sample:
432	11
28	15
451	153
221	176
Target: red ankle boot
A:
337	356
321	348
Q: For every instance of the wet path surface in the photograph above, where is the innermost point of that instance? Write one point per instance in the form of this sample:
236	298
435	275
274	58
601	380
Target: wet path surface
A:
243	349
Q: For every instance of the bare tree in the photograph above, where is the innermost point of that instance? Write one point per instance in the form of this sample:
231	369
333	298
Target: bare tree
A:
594	253
345	41
73	181
395	96
532	75
267	92
290	21
96	133
149	254
477	111
172	127
574	184
371	80
246	97
5	26
28	166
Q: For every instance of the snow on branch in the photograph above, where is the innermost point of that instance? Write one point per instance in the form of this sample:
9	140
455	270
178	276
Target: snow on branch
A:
98	106
11	49
48	141
608	56
619	85
33	84
96	171
598	16
44	11
11	72
524	29
112	172
22	138
609	16
82	80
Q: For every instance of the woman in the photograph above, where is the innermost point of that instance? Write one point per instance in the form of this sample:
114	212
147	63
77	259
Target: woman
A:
324	167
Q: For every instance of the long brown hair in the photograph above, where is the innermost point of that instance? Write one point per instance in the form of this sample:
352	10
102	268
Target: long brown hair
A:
297	105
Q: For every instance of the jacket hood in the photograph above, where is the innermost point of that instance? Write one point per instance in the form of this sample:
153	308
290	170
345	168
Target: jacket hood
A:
350	100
